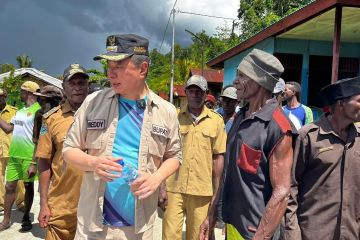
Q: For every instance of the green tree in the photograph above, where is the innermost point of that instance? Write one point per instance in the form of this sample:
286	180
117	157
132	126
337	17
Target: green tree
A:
188	57
24	61
159	72
6	67
99	76
12	85
255	15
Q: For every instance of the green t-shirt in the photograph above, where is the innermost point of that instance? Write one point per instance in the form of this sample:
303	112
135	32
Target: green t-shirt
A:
21	145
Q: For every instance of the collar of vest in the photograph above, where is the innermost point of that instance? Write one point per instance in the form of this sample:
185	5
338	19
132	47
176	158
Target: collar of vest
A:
266	112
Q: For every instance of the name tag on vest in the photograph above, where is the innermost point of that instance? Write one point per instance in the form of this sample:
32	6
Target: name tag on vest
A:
96	124
160	131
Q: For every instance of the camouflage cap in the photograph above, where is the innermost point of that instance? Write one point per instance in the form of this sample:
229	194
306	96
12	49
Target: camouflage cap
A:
197	80
50	91
229	92
30	86
120	47
73	69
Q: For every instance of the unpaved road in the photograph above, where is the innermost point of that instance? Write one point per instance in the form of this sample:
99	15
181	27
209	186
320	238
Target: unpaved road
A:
37	233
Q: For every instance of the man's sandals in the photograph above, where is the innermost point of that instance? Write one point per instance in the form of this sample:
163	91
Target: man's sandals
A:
4	226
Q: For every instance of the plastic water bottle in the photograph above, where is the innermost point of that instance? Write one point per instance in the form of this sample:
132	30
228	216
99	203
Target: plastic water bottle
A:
129	173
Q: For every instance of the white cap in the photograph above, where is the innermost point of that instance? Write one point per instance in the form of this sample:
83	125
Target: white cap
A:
197	80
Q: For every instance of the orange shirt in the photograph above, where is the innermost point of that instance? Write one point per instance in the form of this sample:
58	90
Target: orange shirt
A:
6	114
64	190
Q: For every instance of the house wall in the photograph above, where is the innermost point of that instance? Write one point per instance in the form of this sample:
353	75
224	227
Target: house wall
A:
310	47
231	64
295	46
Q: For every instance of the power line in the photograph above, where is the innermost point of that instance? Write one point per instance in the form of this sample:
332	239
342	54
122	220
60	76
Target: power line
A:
204	15
167	25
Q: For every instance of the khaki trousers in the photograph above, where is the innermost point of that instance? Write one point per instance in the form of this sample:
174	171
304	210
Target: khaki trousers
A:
194	208
61	227
20	190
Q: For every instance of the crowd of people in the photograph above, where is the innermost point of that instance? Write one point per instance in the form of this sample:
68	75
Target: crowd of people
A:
109	161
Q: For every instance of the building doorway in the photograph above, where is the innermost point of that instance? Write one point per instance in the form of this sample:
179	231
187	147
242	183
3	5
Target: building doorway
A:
320	75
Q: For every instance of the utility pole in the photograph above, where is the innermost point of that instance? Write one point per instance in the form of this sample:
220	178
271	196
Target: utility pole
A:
172	58
202	49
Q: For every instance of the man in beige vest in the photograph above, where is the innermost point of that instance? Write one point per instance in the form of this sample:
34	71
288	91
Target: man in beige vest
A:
124	127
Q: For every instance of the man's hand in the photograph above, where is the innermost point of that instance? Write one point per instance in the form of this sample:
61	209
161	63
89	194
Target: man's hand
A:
44	216
145	185
163	199
107	167
31	170
207	229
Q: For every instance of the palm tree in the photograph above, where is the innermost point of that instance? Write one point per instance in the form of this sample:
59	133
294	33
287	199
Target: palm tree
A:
24	61
6	67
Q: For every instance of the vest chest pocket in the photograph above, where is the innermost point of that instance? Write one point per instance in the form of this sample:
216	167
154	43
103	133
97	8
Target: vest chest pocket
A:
157	148
157	145
94	143
248	159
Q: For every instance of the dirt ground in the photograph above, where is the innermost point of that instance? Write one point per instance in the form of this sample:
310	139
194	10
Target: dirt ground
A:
37	233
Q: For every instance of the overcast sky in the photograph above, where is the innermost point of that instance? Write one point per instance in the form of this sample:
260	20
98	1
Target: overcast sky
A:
55	33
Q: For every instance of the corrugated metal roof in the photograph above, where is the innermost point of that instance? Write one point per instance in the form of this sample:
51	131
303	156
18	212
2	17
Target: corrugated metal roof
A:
310	11
164	95
36	73
179	91
211	75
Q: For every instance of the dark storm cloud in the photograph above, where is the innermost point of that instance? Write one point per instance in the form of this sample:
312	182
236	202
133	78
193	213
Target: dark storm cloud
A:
4	3
55	33
146	17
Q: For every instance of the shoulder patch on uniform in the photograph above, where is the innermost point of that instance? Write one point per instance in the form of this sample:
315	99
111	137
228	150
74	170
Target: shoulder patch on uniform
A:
281	120
44	128
51	111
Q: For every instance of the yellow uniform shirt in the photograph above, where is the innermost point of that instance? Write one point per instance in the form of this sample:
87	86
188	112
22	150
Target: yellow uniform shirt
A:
6	114
201	138
64	190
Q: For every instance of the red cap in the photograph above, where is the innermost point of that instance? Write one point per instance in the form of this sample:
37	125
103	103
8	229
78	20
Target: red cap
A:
210	98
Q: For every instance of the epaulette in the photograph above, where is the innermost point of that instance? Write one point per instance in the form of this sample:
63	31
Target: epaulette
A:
11	107
51	111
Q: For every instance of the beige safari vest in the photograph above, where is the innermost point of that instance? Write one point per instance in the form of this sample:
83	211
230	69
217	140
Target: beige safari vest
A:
94	130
